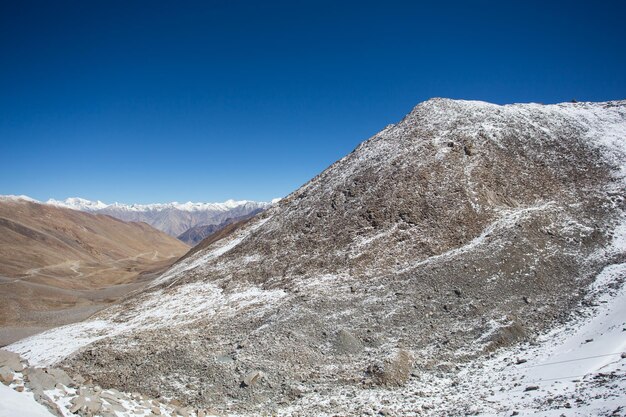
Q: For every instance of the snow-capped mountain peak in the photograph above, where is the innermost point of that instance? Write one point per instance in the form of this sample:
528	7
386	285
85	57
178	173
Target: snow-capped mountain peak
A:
173	218
11	197
78	203
83	204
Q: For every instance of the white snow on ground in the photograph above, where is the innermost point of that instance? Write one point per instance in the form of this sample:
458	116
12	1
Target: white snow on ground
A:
507	219
183	304
570	367
52	346
164	307
217	249
578	369
20	404
566	362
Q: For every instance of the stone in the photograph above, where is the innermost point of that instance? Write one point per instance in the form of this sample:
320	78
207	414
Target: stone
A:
115	406
11	360
155	410
39	379
182	412
225	359
347	343
93	405
252	378
77	403
61	377
6	375
531	388
111	397
395	371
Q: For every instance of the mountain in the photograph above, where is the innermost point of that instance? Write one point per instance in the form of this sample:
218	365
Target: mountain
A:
59	265
171	218
438	269
196	234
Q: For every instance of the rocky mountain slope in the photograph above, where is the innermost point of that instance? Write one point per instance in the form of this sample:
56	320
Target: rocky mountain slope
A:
464	231
196	234
59	265
171	218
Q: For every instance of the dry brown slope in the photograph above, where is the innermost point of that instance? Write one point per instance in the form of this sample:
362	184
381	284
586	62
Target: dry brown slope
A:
59	265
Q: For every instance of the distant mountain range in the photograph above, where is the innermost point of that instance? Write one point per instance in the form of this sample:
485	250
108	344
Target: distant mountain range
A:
172	218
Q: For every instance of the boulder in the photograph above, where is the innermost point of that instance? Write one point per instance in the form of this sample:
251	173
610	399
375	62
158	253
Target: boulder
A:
39	379
6	375
77	403
395	371
184	412
11	360
93	405
252	378
61	377
347	343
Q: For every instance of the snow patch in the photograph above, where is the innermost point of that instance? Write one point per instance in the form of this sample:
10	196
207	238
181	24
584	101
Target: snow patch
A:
13	404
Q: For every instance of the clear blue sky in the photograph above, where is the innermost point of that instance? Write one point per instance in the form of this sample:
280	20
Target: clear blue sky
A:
155	101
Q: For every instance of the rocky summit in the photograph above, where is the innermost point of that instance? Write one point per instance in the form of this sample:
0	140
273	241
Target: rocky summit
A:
465	229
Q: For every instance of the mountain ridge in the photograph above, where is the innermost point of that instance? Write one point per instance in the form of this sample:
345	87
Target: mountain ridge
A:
172	218
464	229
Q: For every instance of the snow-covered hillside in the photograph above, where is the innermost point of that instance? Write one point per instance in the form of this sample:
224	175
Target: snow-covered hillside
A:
449	265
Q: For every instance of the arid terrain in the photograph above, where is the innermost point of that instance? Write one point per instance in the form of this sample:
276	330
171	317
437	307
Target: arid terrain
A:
441	268
58	266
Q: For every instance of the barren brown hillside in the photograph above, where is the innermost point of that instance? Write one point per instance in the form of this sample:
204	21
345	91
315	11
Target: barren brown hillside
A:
59	265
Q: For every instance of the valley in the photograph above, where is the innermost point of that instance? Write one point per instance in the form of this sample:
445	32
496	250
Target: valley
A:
59	266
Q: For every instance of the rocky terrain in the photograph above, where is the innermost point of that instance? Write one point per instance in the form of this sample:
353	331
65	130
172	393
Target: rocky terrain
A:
59	266
196	234
171	218
415	276
61	394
